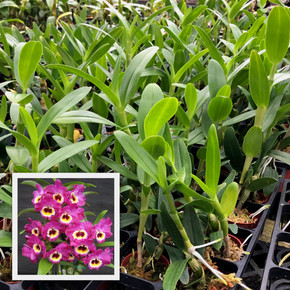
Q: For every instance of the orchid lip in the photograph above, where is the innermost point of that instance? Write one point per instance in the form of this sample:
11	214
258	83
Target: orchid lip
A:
52	233
66	218
48	211
80	235
35	232
56	256
100	236
82	249
37	199
36	248
95	263
58	197
74	198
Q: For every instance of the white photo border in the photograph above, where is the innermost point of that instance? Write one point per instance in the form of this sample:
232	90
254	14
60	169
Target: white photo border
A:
78	175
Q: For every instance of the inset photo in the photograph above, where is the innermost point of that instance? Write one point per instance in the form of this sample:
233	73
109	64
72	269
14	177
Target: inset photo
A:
65	226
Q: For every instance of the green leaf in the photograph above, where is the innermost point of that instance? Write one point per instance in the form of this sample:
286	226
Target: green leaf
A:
215	236
151	211
150	96
27	210
29	58
159	114
5	239
5	210
213	51
258	81
235	9
277	34
240	118
188	64
213	162
233	150
103	87
59	108
171	228
229	199
204	205
138	154
19	155
44	266
253	141
154	145
182	159
183	117
216	78
127	219
22	139
3	109
8	3
30	182
117	167
150	243
234	228
107	244
29	124
173	274
203	186
193	227
162	175
63	153
5	197
260	183
79	159
190	17
133	73
219	108
81	116
21	169
190	96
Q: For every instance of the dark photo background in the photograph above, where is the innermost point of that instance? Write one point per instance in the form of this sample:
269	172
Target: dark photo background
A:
96	203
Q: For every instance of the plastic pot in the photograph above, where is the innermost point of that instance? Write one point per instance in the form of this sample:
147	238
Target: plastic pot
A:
262	199
250	225
126	260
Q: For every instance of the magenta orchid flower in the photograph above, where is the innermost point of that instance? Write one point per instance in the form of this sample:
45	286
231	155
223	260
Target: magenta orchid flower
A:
76	196
37	194
48	207
79	232
83	248
70	214
60	253
33	248
102	230
58	191
34	228
98	259
52	230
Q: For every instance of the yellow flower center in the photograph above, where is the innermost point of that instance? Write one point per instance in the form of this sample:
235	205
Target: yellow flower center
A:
36	248
95	263
52	233
82	249
80	235
66	218
48	211
56	256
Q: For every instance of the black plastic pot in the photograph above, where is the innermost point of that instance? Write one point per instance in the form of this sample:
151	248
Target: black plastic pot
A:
276	277
127	238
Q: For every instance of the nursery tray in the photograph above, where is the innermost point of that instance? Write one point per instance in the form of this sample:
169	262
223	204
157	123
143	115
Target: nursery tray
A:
275	277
